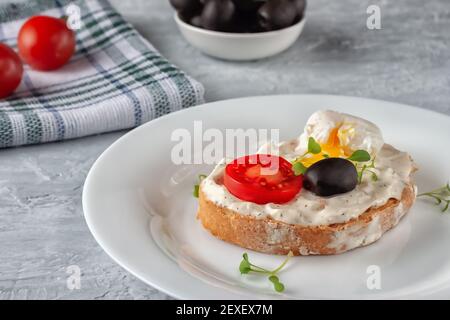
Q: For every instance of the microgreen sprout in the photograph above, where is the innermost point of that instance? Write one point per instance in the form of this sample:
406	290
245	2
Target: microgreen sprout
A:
363	156
440	195
359	156
299	168
313	148
197	186
246	267
367	168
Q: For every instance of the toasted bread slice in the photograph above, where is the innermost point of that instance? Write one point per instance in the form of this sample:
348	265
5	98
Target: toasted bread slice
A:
275	237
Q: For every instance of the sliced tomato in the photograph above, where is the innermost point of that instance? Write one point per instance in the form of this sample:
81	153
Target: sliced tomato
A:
262	179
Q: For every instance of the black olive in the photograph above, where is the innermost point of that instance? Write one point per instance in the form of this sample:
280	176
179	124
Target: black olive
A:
330	176
301	6
245	23
196	21
182	5
277	14
218	15
187	9
248	6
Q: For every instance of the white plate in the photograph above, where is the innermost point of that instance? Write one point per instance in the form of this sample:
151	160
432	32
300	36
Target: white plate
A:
140	209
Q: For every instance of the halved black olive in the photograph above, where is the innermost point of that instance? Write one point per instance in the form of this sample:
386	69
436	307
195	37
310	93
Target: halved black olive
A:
331	176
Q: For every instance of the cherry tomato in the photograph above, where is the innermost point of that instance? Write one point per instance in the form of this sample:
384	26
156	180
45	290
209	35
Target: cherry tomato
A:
11	70
46	43
262	179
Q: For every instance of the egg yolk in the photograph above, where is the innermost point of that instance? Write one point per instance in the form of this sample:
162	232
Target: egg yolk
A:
332	148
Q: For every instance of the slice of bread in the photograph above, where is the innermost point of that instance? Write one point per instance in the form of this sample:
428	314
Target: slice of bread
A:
275	237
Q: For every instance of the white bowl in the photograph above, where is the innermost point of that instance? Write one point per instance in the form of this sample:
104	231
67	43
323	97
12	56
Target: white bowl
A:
240	46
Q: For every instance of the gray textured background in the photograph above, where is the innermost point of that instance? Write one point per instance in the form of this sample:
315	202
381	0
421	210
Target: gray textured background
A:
42	230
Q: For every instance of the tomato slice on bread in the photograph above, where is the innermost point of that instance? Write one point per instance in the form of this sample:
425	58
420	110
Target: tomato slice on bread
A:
262	178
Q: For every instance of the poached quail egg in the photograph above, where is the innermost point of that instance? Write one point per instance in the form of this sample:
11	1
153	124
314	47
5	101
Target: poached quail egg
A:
339	135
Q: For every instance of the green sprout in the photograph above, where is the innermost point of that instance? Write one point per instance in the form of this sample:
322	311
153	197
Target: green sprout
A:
440	195
246	267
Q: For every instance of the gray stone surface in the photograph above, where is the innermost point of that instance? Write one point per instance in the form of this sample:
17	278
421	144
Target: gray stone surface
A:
42	230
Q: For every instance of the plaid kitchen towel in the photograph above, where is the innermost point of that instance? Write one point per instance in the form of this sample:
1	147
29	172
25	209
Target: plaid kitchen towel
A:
115	80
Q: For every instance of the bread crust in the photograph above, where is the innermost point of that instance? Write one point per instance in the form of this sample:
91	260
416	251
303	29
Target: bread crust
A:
276	237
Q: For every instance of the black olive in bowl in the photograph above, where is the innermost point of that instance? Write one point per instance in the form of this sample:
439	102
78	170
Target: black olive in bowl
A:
301	7
277	14
187	9
185	4
196	21
248	6
331	176
218	15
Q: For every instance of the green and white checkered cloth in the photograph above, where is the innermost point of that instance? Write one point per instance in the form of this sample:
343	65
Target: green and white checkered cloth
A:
115	80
